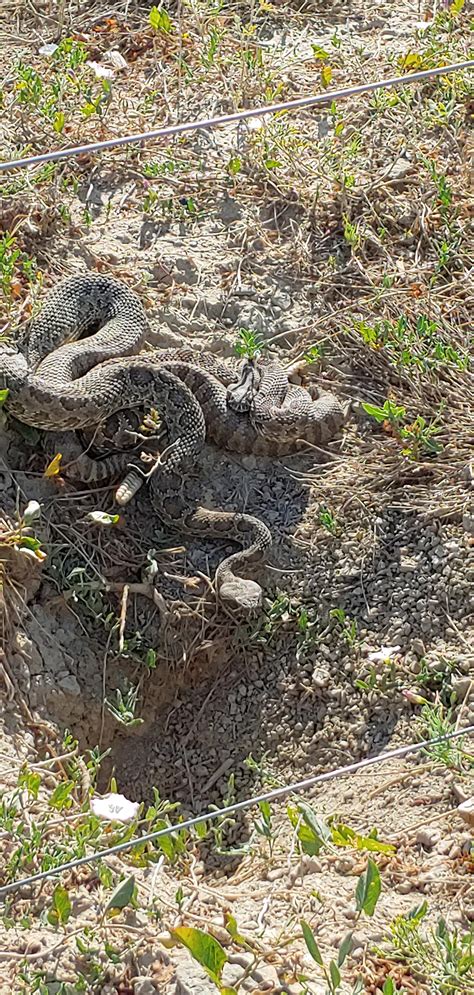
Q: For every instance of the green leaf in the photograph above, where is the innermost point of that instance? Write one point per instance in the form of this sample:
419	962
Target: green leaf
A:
320	53
88	109
368	843
321	832
165	843
389	987
311	942
160	20
378	413
150	659
233	930
417	914
345	836
326	76
344	949
3	396
60	797
234	165
122	894
203	948
201	829
412	60
59	122
312	833
368	889
30	780
272	163
29	542
61	909
335	974
266	812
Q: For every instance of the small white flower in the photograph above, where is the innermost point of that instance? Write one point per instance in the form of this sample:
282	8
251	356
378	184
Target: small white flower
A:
383	654
115	808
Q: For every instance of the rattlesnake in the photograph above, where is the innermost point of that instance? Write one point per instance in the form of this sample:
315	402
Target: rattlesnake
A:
56	386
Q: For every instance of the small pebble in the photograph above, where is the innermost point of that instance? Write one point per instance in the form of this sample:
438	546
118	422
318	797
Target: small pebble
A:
466	811
428	837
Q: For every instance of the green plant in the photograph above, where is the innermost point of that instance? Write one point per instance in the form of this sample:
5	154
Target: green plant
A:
14	264
418	344
436	721
328	520
331	971
315	834
368	889
249	343
160	20
441	955
264	827
20	535
351	233
313	354
417	437
124	708
347	626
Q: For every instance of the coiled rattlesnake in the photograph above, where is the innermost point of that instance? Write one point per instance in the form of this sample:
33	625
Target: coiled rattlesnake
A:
59	380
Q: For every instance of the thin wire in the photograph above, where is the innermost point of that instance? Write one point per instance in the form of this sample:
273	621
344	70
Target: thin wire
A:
215	122
236	807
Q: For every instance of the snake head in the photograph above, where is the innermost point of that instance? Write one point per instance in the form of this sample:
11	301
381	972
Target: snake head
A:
240	396
240	596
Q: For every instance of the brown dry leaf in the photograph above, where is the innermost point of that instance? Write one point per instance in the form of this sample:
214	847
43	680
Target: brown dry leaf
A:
15	288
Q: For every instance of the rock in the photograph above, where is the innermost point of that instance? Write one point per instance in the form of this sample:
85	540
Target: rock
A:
400	167
275	873
459	793
231	975
243	959
190	978
144	986
404	887
408	564
266	977
68	683
461	687
418	647
466	811
307	865
468	521
428	837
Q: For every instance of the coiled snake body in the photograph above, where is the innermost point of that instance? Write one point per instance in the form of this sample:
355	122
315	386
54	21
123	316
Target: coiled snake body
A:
58	380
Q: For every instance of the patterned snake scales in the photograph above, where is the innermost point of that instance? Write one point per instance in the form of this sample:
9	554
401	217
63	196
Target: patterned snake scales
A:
59	380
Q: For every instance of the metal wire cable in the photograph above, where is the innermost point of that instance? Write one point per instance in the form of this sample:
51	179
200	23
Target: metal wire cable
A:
267	796
215	122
